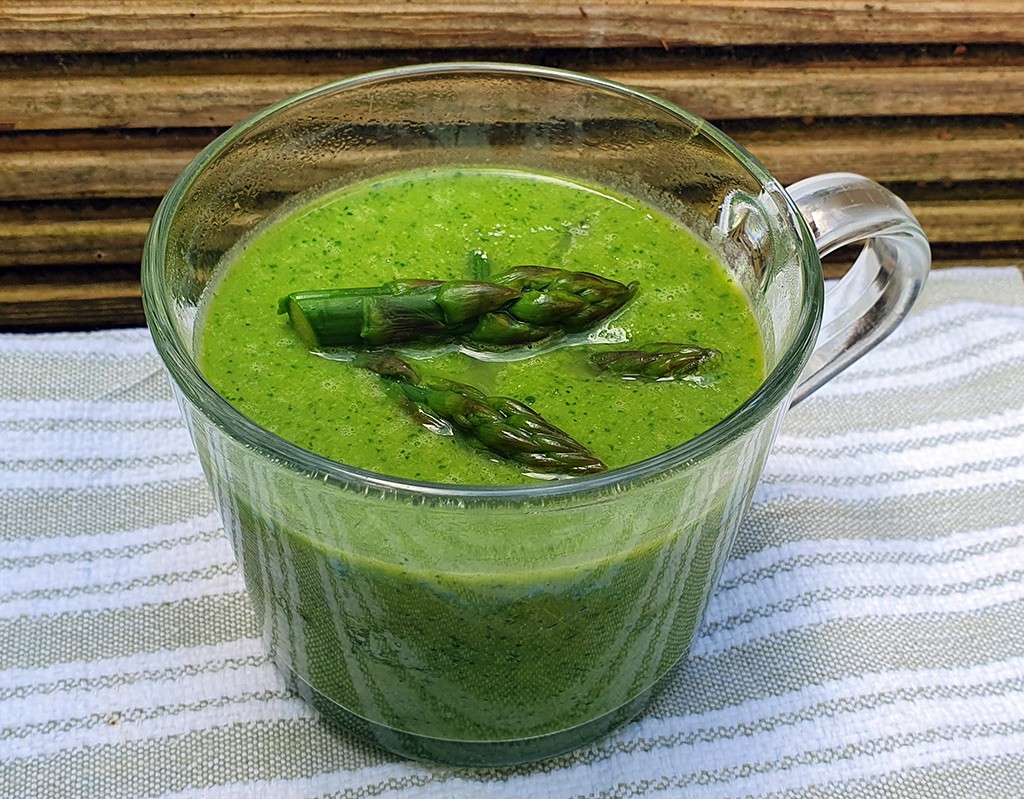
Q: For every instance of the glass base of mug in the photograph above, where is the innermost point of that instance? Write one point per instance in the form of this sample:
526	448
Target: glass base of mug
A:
466	753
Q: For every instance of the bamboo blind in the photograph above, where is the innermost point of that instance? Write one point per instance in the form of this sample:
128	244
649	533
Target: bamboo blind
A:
102	103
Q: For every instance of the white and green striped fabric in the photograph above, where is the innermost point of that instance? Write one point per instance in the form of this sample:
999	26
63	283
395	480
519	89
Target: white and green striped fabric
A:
866	640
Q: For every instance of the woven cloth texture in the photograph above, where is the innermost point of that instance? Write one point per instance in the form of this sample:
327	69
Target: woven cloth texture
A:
866	638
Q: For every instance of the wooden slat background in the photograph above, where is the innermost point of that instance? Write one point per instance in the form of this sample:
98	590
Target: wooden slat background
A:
102	103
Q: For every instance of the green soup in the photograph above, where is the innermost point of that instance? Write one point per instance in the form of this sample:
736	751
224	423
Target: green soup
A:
496	631
426	225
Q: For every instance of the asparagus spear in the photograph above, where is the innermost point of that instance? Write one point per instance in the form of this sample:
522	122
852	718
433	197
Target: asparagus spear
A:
500	425
573	301
662	361
524	305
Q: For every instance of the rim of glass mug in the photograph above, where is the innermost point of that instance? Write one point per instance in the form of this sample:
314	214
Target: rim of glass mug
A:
772	391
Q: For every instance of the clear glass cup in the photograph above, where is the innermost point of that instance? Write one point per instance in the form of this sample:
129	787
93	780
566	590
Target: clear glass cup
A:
487	658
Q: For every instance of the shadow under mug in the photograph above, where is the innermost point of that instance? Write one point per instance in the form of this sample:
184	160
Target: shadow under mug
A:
504	655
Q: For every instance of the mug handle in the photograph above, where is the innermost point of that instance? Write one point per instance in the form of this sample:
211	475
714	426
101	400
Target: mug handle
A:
877	292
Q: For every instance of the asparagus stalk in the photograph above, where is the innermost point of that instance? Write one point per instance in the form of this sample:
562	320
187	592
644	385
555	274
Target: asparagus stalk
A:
527	304
500	425
662	361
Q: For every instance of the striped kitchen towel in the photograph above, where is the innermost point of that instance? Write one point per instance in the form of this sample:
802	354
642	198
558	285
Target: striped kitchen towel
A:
866	640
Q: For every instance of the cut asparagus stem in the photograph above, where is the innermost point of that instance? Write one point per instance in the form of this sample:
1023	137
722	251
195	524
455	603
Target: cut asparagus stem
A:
502	426
527	304
657	362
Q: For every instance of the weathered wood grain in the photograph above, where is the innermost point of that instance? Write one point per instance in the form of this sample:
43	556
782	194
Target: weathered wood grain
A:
64	167
892	151
115	26
189	95
70	241
68	305
985	220
79	166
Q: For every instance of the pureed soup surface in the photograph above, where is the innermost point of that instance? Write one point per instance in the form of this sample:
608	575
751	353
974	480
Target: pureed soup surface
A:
428	225
545	624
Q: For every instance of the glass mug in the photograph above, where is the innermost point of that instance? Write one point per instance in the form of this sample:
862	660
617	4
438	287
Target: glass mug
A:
483	658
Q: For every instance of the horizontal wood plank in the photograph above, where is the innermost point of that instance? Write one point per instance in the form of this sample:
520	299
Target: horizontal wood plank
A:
71	241
68	297
211	94
60	170
28	26
957	221
54	166
63	306
74	166
893	151
87	290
